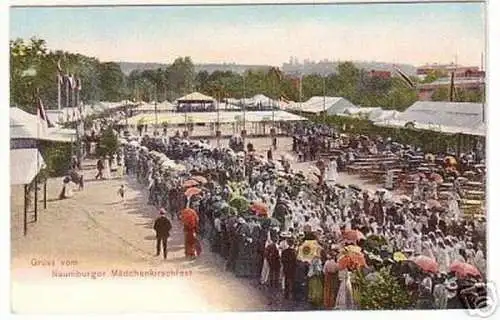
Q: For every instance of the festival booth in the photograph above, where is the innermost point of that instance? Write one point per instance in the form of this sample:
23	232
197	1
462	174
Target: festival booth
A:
196	102
25	165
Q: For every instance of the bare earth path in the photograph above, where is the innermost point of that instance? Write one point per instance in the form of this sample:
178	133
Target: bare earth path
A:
94	231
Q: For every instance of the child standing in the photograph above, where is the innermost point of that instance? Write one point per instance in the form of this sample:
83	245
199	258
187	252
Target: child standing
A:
121	192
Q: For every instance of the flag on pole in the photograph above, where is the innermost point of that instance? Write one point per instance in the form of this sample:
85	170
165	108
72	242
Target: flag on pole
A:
452	87
59	68
42	115
277	72
405	77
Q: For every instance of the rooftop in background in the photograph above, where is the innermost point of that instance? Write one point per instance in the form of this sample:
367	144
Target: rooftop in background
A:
224	117
452	117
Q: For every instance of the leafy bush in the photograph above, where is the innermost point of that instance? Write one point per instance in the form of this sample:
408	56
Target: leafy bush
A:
108	144
383	293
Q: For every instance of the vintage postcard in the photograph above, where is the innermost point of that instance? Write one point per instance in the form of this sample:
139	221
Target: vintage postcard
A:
251	157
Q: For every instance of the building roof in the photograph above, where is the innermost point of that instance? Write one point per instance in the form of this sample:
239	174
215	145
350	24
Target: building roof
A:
25	164
195	96
24	125
318	104
451	117
211	117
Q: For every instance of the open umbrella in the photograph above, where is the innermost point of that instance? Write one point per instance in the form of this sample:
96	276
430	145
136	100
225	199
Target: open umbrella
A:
351	261
352	248
436	177
259	208
353	235
399	256
463	269
450	160
433	204
308	250
426	264
192	191
200	179
190	183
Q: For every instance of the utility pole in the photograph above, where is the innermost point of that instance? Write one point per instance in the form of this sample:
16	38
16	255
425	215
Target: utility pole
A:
324	99
156	108
483	88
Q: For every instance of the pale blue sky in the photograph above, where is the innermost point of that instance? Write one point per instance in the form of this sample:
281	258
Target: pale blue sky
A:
413	33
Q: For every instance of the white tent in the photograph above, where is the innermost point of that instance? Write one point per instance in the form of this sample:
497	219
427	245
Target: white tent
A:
195	96
25	164
319	104
24	125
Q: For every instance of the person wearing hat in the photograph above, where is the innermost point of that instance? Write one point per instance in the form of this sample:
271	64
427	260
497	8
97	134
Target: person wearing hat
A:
289	262
162	227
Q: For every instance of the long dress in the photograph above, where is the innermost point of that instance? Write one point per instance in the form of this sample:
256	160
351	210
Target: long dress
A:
331	174
106	172
345	299
191	246
330	271
315	285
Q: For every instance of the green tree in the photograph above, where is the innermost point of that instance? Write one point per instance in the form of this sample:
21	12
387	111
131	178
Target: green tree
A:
108	143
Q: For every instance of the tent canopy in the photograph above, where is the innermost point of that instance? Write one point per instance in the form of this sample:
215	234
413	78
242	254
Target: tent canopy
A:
175	118
25	164
318	104
24	125
196	97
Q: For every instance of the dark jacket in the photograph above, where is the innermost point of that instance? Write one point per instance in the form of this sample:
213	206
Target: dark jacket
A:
289	261
162	227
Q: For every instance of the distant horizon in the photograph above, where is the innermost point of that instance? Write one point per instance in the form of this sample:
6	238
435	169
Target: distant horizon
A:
412	34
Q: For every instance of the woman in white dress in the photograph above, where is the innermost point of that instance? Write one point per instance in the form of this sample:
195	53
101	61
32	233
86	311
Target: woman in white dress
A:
106	173
331	173
345	300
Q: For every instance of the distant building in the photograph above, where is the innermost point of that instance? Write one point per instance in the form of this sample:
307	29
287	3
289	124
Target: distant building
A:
460	71
466	78
379	74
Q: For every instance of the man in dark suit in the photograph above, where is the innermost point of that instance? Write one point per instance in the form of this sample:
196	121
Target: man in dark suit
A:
289	261
162	227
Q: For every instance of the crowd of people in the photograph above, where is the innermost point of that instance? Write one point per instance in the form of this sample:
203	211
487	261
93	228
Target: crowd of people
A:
309	240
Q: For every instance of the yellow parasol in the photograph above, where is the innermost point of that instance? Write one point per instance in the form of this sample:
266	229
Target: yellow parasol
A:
399	256
309	250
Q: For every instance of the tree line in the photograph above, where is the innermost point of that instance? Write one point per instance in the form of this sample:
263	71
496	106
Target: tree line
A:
34	71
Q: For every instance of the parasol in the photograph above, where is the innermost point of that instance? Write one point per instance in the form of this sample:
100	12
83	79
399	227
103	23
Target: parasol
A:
239	203
433	204
436	177
352	248
134	143
308	251
405	198
450	160
399	256
192	192
426	264
190	183
200	179
259	208
189	218
351	261
353	235
430	157
463	269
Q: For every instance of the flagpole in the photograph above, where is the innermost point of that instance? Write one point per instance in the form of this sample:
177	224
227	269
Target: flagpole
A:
483	88
58	91
324	100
